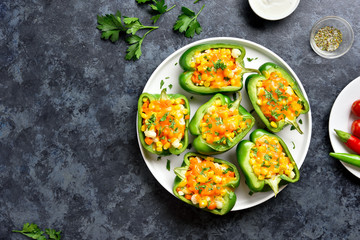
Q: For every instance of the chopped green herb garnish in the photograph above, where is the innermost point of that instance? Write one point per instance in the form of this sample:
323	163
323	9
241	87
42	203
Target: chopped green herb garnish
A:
251	59
164	117
162	83
168	164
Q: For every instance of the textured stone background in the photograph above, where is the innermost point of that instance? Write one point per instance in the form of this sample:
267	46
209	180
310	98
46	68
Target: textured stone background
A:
69	157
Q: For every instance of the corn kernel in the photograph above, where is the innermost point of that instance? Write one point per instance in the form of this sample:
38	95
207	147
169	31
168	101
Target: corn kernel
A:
145	99
259	102
143	115
273	124
217	179
210	174
185	111
167	145
203	203
183	183
207	84
264	171
259	84
143	128
180	146
159	149
261	177
200	178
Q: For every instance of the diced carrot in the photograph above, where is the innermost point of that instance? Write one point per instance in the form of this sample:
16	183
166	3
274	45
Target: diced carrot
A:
148	141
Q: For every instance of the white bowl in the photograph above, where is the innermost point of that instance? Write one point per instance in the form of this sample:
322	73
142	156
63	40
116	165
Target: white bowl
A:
273	9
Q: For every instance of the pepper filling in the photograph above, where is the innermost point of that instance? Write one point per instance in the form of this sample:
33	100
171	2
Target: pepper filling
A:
164	123
268	159
277	99
220	125
217	68
205	183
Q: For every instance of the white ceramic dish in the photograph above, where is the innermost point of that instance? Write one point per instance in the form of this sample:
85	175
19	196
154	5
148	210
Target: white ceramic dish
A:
273	9
341	118
169	71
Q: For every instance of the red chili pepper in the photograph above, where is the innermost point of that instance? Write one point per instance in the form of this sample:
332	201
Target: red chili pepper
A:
350	141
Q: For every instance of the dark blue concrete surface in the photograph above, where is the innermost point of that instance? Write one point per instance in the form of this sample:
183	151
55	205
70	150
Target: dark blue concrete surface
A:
69	157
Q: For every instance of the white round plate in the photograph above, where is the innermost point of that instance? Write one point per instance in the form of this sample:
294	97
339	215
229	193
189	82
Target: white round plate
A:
341	118
168	72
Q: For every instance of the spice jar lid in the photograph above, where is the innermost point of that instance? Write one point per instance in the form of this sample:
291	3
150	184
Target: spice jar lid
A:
331	37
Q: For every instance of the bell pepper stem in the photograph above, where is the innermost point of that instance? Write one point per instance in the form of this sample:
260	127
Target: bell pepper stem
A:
295	124
163	95
274	184
180	172
250	70
237	102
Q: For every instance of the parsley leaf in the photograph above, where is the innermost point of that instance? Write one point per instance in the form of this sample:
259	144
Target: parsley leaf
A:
187	22
159	7
143	1
110	26
34	232
251	59
161	83
134	50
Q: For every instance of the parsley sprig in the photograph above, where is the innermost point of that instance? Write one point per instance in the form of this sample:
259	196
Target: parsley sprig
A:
34	232
111	26
161	8
187	22
158	6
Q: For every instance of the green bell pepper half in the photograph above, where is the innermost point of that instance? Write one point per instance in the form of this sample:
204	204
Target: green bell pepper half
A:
251	88
163	95
229	197
216	148
185	62
254	184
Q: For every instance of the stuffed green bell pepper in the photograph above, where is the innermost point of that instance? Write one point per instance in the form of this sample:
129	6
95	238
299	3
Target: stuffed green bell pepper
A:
276	97
219	125
162	122
266	162
207	183
213	68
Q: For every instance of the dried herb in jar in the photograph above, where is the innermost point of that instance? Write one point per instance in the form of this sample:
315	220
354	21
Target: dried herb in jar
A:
328	38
